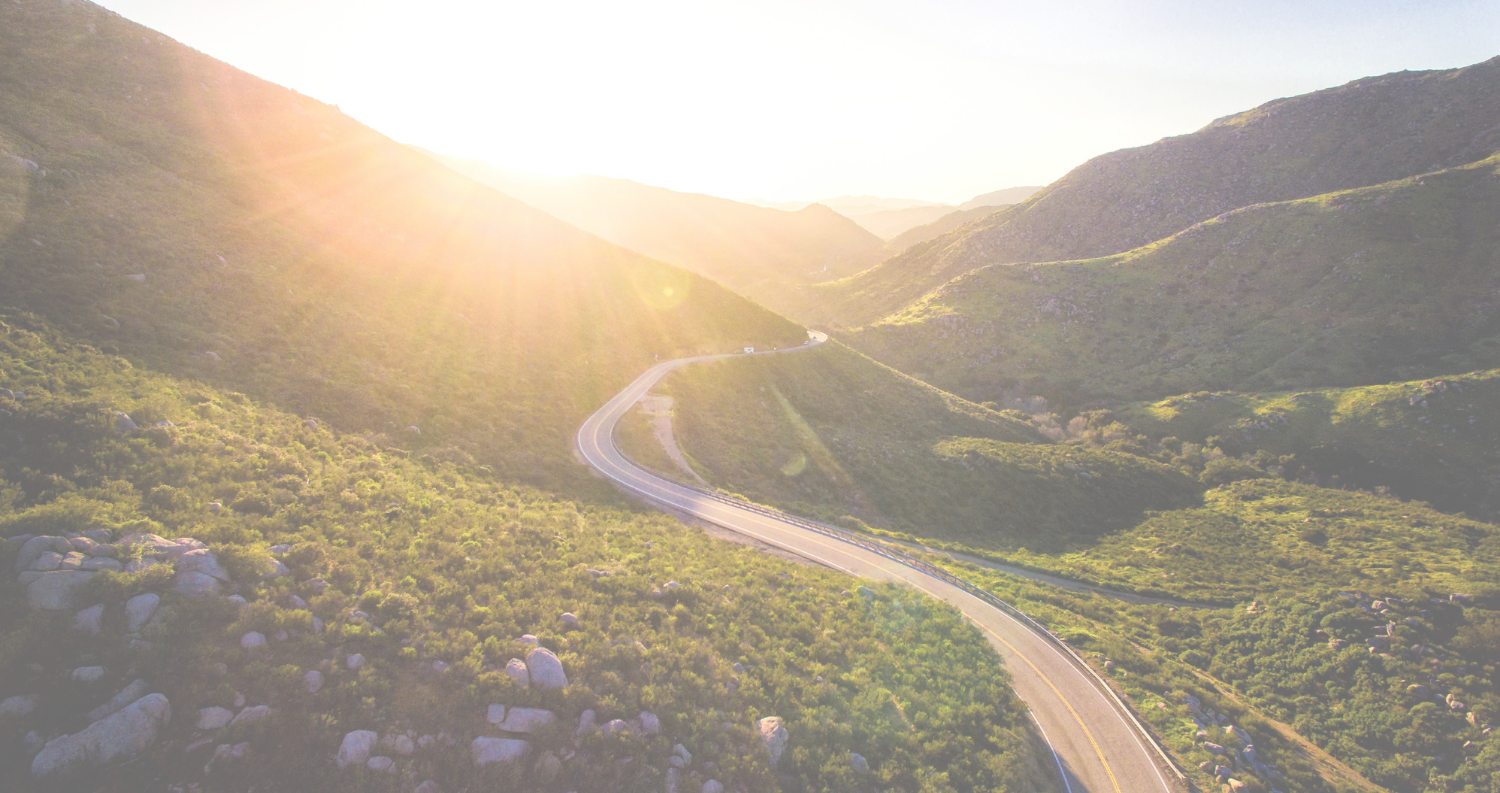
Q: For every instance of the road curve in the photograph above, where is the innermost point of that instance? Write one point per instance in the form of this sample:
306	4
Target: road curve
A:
1094	745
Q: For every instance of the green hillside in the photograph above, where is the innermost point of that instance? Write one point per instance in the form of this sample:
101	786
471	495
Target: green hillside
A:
1431	440
1367	132
766	254
198	221
444	563
1391	282
830	433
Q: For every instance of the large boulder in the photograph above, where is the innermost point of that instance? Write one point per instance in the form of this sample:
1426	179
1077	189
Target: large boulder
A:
19	705
90	620
486	750
139	609
58	590
251	715
195	584
527	719
32	549
516	668
122	736
355	750
774	736
202	561
545	669
120	701
214	718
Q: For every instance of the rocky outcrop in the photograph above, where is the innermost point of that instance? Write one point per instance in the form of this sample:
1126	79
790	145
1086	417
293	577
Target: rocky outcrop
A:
195	584
774	736
486	750
58	590
121	736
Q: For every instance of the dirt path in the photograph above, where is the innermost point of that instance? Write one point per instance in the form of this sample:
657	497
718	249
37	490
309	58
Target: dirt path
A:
659	408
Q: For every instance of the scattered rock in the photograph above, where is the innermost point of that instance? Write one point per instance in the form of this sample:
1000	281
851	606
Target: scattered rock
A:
381	763
712	786
225	753
354	661
315	585
21	705
252	715
356	748
531	640
139	609
614	727
547	767
313	680
88	674
569	620
90	620
585	724
253	640
516	668
774	736
296	602
545	669
485	750
121	736
400	744
858	763
495	714
428	786
214	718
127	696
526	719
650	725
101	563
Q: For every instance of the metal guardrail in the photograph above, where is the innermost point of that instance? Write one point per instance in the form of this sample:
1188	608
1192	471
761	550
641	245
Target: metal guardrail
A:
908	560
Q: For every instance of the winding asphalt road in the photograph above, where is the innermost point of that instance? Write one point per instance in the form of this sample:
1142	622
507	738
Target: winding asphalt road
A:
1094	745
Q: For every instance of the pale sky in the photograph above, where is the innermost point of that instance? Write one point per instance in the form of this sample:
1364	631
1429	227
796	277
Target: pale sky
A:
938	100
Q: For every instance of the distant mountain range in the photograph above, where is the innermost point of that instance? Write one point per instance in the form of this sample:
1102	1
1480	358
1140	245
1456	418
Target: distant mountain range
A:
760	252
889	218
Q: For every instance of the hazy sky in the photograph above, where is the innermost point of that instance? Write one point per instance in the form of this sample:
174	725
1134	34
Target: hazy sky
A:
787	100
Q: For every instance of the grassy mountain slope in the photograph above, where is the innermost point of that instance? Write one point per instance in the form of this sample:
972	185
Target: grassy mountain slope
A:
1367	132
1391	282
446	563
831	433
196	220
759	252
1431	440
